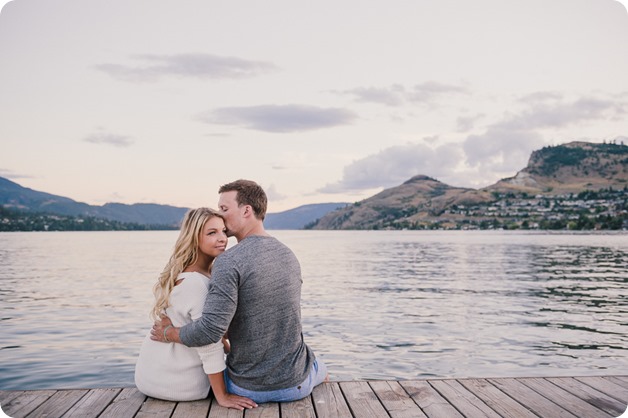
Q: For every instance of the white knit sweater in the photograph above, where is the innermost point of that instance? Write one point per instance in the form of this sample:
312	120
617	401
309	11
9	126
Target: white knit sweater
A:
173	371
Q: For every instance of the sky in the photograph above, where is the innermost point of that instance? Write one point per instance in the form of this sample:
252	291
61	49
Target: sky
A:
138	101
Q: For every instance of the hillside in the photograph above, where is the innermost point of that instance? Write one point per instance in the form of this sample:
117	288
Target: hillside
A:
15	197
425	202
570	168
418	198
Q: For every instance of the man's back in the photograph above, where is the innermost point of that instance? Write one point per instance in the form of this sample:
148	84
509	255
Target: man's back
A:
257	286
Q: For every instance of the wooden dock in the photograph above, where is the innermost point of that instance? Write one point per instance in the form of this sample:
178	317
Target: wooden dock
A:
568	397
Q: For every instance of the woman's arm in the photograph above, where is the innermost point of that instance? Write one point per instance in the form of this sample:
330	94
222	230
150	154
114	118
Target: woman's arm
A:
227	400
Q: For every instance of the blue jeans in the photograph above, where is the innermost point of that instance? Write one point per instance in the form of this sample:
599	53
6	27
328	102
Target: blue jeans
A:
316	377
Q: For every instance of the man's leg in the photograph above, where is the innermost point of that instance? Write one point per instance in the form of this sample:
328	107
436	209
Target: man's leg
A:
317	375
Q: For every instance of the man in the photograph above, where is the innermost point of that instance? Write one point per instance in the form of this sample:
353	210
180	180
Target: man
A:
255	295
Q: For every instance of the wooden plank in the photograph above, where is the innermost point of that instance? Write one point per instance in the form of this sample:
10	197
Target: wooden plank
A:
531	399
264	410
8	395
329	402
362	400
92	404
189	409
603	385
565	399
501	403
125	405
59	403
430	401
396	400
593	396
24	401
618	381
464	401
622	378
156	408
296	409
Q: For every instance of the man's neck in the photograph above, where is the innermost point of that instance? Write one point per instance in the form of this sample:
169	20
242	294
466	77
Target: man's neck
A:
257	229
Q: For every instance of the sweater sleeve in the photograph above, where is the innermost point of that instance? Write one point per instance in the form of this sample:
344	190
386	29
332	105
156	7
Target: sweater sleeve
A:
219	308
211	355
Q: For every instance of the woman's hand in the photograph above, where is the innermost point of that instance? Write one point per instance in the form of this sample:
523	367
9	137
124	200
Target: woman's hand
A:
229	400
226	399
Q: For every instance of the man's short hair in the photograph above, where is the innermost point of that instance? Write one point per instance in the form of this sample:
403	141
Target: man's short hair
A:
249	193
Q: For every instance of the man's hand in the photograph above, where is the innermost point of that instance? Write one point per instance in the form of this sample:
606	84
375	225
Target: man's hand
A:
226	344
164	331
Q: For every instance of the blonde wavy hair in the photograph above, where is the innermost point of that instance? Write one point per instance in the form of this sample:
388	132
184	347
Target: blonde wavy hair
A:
185	254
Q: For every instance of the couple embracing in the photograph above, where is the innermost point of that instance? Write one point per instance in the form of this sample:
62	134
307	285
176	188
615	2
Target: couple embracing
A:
245	304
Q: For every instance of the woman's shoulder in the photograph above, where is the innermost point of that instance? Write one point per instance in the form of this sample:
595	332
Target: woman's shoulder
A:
192	279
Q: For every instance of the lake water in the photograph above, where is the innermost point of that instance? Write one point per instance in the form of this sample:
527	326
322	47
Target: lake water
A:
376	304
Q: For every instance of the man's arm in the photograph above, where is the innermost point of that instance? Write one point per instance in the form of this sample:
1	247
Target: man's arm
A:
220	306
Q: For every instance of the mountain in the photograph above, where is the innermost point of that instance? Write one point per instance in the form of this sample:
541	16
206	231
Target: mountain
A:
551	171
14	196
299	217
570	168
418	198
19	198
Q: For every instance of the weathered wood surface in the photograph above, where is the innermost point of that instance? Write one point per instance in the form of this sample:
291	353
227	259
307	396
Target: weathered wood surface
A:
551	397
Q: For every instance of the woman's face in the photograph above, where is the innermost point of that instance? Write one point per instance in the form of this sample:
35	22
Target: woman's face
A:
213	238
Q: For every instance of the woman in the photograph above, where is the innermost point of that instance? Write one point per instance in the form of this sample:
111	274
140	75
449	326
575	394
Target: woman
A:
173	371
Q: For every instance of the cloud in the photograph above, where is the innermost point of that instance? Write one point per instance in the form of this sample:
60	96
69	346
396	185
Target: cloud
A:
428	91
393	166
272	193
153	67
397	95
390	96
500	151
279	118
506	145
465	124
107	138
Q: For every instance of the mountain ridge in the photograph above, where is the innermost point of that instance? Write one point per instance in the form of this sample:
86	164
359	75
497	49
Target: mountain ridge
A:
567	168
18	198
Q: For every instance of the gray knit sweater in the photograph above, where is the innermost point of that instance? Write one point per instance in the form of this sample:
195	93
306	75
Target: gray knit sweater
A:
255	293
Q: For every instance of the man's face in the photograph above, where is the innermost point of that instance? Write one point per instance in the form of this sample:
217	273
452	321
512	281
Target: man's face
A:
232	214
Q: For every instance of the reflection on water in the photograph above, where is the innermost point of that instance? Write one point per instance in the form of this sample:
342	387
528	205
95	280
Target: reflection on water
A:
376	305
